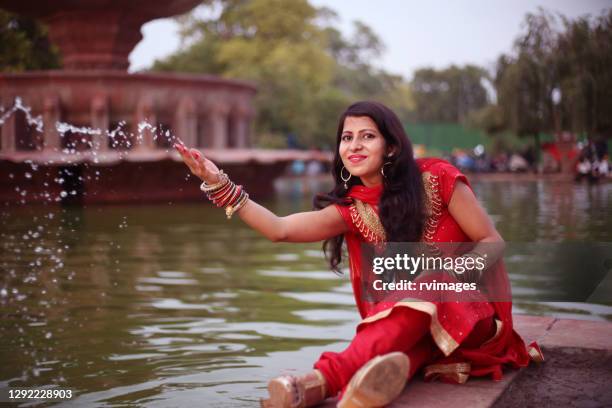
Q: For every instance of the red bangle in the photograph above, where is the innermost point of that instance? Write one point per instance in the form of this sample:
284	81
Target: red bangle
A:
214	196
234	199
224	196
232	196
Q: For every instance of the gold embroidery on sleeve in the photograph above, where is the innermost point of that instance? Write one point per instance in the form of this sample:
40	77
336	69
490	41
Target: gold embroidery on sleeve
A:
367	222
433	205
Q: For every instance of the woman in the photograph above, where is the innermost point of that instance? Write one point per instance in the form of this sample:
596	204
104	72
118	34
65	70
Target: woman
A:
382	194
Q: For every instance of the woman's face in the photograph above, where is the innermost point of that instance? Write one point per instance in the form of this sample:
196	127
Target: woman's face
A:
362	149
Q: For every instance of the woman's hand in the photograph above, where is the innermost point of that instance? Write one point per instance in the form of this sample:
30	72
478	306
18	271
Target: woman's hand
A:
199	165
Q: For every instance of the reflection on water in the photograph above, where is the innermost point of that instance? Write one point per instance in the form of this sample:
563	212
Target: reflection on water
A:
173	305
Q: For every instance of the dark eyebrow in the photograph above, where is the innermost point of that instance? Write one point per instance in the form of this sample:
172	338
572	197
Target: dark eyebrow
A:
361	131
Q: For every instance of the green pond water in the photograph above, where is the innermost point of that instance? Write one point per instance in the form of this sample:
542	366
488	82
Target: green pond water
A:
172	305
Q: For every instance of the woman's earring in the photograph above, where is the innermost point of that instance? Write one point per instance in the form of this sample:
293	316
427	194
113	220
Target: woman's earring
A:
345	179
382	169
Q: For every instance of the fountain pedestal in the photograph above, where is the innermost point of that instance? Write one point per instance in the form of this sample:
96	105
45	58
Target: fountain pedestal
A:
95	91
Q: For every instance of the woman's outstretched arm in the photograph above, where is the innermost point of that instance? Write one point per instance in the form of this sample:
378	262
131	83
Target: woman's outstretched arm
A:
307	226
310	226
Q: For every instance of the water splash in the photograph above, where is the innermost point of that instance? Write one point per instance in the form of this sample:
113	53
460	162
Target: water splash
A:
35	121
63	127
78	144
116	136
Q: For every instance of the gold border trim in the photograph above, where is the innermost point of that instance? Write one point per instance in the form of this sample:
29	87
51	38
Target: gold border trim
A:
458	372
535	353
499	325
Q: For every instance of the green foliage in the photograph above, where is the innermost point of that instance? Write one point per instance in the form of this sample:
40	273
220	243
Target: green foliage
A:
448	95
305	70
525	80
572	59
490	118
584	60
24	45
200	58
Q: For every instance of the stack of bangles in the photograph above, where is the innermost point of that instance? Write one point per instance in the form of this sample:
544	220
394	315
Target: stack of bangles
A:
226	193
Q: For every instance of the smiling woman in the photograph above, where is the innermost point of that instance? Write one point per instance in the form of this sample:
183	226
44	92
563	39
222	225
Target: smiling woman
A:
382	194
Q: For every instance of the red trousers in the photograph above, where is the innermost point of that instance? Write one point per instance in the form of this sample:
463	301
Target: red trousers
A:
405	330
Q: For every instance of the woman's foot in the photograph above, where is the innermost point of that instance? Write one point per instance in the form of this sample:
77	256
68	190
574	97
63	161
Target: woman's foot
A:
290	391
378	382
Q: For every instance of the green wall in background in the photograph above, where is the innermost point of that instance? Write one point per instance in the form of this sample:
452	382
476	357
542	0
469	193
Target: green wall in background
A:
445	136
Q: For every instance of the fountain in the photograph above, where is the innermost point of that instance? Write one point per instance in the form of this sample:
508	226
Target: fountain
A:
108	134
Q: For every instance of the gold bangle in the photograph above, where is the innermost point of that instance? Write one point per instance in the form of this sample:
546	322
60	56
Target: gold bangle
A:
232	209
211	188
242	202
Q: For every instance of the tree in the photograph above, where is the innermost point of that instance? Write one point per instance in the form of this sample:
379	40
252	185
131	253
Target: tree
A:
572	60
448	95
24	45
525	81
584	59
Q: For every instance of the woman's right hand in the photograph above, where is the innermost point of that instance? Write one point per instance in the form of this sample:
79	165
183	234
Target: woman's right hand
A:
199	165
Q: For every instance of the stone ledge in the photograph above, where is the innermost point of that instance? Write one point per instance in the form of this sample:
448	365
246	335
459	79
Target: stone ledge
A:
576	371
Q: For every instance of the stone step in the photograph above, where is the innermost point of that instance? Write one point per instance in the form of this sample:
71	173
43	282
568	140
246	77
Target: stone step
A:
577	369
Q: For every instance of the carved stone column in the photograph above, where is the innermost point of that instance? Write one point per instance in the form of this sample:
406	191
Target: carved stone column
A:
9	144
145	113
204	136
186	127
100	121
52	140
241	123
218	114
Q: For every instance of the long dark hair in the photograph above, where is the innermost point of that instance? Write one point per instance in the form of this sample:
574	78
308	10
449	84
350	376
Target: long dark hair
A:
402	205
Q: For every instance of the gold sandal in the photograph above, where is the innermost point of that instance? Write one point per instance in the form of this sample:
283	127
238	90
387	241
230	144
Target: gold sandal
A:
289	391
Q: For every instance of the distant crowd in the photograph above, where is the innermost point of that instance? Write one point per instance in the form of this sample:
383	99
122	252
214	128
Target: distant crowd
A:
589	160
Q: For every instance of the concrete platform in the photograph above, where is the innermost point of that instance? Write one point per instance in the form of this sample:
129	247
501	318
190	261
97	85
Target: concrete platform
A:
576	372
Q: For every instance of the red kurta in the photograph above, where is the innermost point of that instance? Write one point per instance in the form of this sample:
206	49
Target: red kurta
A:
452	325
